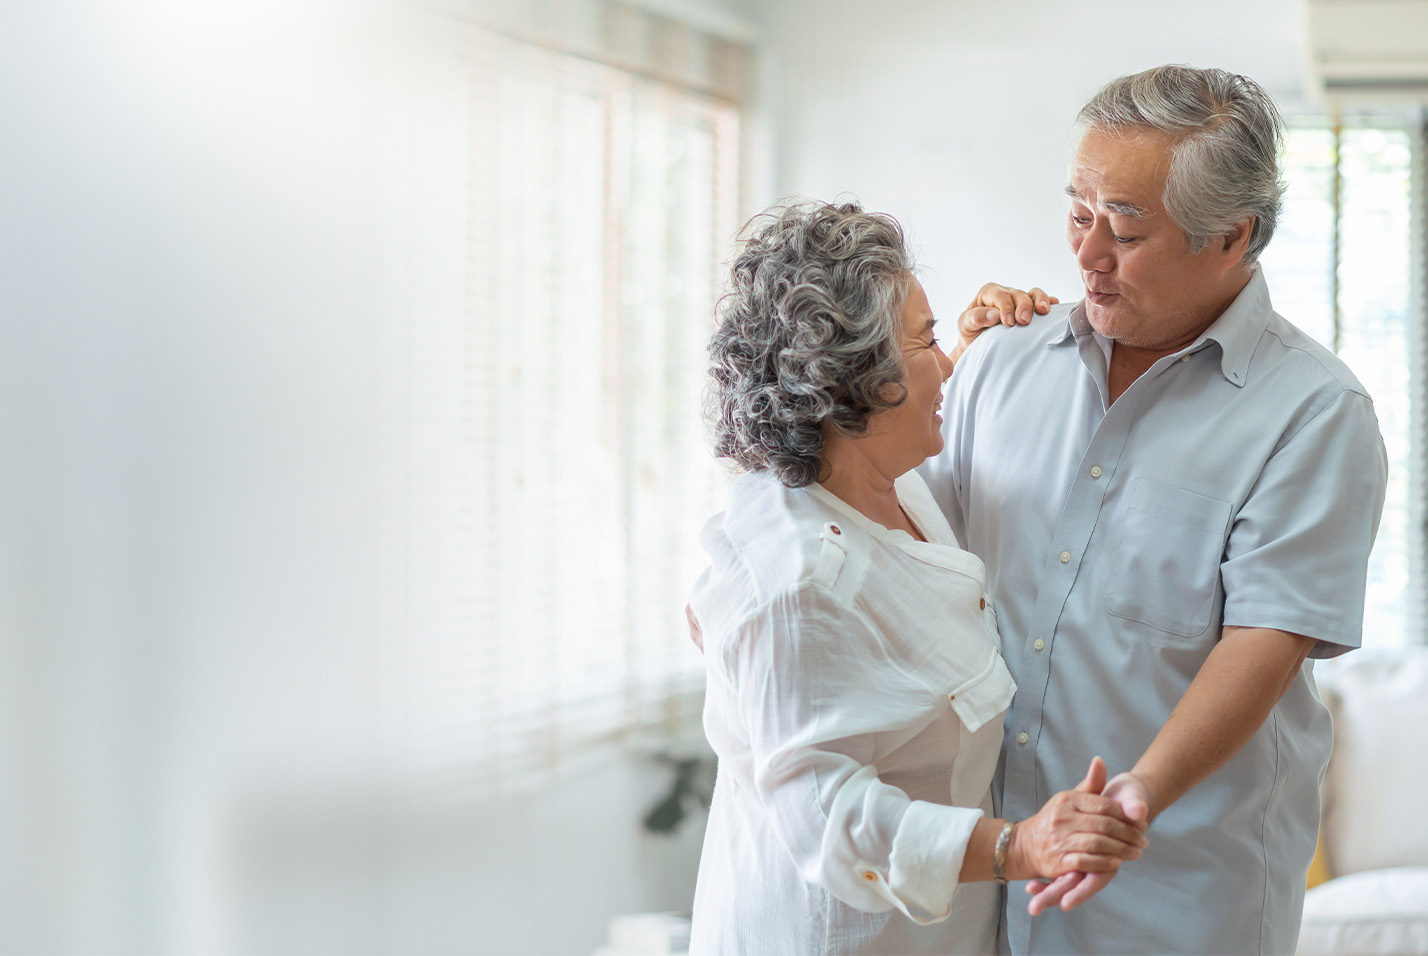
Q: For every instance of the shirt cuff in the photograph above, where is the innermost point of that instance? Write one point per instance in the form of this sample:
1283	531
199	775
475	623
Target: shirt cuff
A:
926	859
1334	636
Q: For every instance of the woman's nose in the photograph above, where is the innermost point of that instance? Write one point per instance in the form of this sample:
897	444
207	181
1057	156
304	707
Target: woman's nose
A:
945	362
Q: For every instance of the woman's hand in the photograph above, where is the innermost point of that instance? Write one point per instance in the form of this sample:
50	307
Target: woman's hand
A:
1077	831
1070	890
999	305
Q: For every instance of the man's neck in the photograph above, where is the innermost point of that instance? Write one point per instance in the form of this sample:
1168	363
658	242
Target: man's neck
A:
1129	362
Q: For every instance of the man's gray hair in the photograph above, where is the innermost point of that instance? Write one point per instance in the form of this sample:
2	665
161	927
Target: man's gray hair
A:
1227	134
810	331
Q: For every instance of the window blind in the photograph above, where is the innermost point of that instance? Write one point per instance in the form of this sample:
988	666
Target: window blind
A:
563	221
1342	267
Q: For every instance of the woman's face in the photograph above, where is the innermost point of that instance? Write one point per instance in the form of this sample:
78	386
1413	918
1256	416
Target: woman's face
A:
912	432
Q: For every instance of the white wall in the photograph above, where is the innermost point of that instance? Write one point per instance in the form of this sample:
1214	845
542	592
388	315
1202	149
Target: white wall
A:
954	115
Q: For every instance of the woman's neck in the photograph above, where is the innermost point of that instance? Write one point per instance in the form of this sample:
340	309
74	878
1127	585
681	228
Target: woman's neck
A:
858	481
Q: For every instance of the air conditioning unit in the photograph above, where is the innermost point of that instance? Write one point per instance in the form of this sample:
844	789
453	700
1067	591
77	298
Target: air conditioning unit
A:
1369	52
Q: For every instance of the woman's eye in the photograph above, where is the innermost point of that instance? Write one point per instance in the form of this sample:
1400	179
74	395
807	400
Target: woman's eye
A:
1123	239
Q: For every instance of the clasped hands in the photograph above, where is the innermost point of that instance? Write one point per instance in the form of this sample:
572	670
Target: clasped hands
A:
1080	876
1079	839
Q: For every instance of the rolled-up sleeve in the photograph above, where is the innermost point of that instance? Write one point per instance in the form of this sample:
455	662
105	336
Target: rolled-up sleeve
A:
817	692
1296	551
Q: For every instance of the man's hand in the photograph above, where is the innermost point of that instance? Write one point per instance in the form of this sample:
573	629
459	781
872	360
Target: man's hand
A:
1070	890
999	305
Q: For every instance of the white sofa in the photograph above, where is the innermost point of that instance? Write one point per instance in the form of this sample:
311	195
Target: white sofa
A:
1375	826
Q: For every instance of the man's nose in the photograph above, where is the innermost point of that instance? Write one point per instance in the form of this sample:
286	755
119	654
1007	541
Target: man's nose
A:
1096	253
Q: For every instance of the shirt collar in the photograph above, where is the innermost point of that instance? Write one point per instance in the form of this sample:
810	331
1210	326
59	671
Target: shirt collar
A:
1237	331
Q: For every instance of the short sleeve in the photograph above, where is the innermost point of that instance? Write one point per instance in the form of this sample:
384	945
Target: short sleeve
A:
819	700
1298	549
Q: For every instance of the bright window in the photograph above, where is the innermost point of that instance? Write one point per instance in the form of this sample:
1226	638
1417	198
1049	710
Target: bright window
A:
1340	267
563	221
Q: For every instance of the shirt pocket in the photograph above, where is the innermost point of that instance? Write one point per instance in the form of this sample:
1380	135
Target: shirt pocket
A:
985	695
1166	567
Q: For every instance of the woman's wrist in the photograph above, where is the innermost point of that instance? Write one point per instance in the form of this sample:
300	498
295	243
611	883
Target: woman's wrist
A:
1000	851
1018	856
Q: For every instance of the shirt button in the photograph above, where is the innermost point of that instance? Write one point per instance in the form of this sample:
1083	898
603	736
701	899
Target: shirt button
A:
1184	358
983	602
1022	738
870	876
1040	644
835	529
1065	556
1095	471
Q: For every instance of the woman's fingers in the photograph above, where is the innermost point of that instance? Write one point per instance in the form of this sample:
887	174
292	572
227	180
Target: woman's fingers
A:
1095	804
1041	301
1014	306
975	319
997	304
1109	824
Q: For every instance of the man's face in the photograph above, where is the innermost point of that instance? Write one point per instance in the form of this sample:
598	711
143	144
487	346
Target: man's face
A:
1144	287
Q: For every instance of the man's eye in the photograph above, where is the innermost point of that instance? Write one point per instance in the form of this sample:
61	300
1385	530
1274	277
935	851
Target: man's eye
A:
1081	220
1123	239
933	343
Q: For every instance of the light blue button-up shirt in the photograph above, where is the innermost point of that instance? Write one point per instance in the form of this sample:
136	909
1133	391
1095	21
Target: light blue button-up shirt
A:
1238	482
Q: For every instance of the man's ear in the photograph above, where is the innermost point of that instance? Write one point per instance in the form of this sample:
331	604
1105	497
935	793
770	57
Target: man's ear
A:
1237	240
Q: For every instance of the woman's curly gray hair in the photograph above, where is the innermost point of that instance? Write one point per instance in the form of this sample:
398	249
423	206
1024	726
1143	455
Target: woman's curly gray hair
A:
809	332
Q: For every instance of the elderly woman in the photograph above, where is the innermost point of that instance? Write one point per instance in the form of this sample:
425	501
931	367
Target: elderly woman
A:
855	691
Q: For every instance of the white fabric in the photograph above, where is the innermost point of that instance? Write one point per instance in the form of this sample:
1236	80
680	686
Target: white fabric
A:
1381	911
855	697
1378	776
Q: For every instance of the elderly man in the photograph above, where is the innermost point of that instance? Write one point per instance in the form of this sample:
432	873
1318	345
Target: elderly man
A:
1174	491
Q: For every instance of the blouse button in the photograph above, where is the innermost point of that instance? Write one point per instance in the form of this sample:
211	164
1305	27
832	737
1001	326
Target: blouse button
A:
1022	738
1095	471
870	876
1065	556
984	603
1039	644
835	529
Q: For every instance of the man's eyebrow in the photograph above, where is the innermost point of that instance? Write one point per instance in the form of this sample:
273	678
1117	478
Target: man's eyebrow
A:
1115	206
1127	209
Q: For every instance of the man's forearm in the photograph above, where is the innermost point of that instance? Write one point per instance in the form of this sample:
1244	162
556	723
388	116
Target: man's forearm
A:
1238	685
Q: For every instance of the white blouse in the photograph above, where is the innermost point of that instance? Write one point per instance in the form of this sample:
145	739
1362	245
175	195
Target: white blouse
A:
855	698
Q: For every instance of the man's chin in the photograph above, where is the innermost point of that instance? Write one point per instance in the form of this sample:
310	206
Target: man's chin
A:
1101	319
